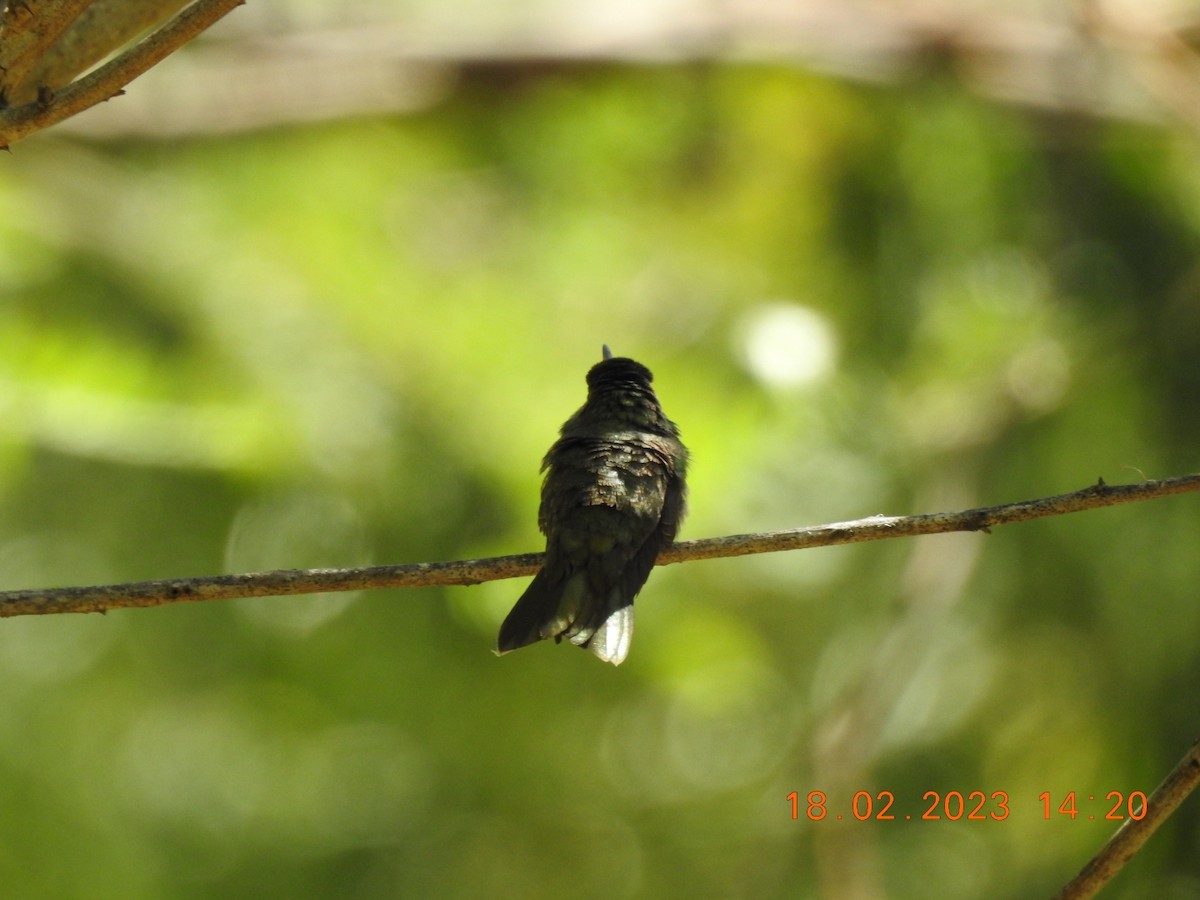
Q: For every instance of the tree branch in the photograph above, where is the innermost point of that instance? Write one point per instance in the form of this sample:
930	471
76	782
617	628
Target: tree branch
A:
107	81
1130	837
1103	867
465	572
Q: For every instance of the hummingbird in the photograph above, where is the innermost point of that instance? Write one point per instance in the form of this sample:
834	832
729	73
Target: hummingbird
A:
613	497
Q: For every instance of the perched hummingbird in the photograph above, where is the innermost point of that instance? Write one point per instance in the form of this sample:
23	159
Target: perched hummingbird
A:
613	497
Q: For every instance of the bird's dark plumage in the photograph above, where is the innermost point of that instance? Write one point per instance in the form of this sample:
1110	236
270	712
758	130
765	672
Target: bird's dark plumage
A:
613	497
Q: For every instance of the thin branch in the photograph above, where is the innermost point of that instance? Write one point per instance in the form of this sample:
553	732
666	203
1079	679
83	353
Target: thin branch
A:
465	572
108	80
877	528
1130	837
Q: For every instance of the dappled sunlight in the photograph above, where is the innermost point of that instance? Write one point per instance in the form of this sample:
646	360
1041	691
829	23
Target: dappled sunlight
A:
217	765
720	715
108	426
786	345
352	343
38	650
300	530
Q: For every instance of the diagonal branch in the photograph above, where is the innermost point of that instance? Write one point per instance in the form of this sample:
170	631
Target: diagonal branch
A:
1132	834
107	81
465	572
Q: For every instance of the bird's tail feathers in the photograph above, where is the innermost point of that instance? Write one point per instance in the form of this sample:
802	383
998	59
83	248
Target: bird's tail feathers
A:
565	608
611	640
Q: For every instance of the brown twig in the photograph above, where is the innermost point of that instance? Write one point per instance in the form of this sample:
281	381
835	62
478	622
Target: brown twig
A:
1132	834
465	572
1102	868
107	81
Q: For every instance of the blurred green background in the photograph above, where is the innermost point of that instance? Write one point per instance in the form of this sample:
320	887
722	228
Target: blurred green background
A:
351	341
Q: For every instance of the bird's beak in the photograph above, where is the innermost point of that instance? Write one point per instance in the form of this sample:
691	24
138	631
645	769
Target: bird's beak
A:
607	352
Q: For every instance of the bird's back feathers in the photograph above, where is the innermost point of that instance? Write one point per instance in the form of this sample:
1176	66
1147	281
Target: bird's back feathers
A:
612	499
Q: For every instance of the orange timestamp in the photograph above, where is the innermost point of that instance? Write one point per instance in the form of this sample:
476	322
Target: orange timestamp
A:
954	806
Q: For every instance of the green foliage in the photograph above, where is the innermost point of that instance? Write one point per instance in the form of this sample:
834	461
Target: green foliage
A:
354	342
